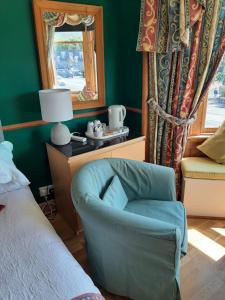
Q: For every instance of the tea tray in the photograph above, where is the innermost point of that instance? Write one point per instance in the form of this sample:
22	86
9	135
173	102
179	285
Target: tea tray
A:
109	134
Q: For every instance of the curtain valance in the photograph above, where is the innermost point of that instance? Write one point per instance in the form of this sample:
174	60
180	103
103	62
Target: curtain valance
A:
58	19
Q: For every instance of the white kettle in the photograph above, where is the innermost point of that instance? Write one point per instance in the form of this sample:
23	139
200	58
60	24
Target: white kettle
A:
117	114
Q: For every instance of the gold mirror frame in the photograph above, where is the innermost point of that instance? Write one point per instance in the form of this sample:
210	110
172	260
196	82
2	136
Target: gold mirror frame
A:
41	6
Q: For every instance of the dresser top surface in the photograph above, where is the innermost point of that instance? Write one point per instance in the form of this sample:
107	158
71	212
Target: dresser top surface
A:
75	148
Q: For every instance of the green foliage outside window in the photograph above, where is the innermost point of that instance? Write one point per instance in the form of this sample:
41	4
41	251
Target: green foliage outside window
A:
222	91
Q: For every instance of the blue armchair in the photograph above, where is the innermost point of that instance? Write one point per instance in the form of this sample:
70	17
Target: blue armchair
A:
135	251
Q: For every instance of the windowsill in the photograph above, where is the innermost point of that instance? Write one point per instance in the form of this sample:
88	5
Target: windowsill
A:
199	137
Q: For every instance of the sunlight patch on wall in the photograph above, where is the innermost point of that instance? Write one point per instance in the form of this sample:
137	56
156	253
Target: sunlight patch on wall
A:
205	244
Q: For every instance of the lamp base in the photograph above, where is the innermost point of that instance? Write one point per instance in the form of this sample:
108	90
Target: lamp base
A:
60	134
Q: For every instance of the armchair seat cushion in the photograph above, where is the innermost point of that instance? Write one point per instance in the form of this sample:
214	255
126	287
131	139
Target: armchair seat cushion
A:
171	212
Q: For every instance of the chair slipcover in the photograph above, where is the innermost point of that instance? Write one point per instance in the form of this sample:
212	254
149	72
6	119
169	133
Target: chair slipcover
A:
134	252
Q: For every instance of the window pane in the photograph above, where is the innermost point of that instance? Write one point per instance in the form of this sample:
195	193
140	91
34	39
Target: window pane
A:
215	114
69	61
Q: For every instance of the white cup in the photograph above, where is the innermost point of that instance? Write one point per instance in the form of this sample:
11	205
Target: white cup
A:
98	132
97	123
104	127
90	127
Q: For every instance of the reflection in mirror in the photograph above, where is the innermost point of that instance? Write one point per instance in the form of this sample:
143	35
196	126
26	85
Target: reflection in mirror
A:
71	53
70	44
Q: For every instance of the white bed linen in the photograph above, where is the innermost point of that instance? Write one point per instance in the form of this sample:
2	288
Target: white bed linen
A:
34	262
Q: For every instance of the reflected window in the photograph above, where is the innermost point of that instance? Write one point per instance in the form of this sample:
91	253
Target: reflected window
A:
71	52
69	61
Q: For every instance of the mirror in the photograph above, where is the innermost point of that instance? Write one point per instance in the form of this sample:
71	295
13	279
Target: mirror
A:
70	46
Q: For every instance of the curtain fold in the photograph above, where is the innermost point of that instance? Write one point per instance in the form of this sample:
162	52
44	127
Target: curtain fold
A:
186	41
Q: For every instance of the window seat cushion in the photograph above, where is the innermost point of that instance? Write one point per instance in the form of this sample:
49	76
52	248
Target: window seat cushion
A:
202	168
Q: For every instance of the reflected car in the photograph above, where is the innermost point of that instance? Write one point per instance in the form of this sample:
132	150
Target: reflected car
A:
65	73
61	83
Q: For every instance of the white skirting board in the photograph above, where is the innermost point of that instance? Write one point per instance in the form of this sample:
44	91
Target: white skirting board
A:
204	197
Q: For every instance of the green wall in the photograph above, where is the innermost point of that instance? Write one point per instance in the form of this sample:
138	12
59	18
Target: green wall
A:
20	77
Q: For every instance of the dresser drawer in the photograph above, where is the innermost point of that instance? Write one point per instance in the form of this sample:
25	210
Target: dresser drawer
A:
134	151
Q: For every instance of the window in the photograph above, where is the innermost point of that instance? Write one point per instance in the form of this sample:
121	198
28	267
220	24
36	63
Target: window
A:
212	112
215	112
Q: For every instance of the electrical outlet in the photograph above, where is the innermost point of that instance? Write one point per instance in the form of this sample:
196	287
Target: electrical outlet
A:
43	191
47	192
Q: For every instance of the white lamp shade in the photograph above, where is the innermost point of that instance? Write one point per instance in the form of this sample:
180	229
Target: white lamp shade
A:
56	105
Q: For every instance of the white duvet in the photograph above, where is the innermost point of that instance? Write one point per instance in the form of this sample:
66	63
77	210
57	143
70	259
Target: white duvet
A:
34	262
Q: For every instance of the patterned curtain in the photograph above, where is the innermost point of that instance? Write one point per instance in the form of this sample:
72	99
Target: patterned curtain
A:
185	40
53	20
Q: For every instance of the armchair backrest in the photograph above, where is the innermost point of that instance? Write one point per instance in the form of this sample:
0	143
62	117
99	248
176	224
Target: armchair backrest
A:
139	179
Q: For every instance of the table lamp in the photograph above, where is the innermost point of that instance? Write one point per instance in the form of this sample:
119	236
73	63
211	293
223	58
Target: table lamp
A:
56	106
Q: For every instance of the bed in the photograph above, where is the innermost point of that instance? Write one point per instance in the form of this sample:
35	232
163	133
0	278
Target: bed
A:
34	262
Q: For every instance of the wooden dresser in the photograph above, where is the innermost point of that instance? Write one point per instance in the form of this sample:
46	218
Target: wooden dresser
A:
66	160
